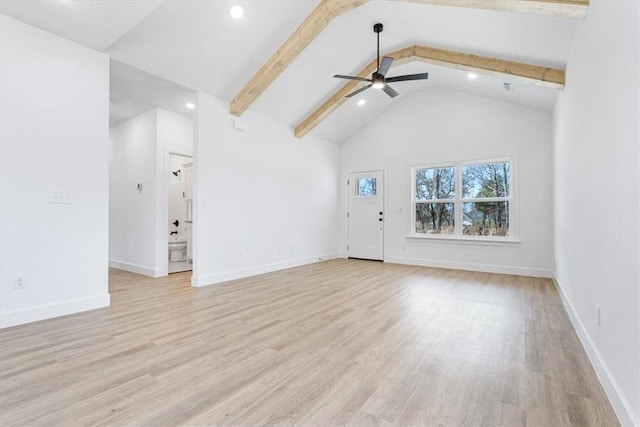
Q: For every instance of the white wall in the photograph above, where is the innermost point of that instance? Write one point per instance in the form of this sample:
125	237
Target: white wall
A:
175	132
597	210
264	200
54	110
140	149
439	126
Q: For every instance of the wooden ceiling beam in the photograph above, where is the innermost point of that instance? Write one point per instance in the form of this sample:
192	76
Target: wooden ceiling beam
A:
296	43
329	9
510	70
562	8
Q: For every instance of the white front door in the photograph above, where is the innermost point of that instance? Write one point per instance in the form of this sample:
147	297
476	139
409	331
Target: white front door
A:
365	216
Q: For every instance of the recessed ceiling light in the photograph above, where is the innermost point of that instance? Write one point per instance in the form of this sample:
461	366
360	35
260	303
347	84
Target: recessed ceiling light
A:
361	102
236	12
472	76
190	105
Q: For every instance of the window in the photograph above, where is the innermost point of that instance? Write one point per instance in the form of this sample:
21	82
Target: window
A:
485	199
366	187
464	200
435	200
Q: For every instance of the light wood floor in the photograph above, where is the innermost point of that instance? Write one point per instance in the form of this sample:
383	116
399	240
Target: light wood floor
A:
334	343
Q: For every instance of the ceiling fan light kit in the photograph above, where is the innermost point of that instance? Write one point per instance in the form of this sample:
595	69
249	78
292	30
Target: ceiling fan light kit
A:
378	81
379	78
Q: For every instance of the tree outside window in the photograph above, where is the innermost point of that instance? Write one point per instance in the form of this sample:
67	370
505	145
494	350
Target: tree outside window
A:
485	199
435	192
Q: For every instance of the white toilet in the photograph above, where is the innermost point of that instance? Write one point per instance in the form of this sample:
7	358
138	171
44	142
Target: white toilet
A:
177	250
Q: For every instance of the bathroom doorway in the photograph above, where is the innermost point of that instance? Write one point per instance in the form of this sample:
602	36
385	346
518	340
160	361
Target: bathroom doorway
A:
180	211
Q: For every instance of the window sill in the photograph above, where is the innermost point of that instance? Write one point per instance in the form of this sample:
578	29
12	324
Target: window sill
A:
482	241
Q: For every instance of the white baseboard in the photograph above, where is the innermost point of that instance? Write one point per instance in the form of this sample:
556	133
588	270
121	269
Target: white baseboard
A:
135	268
484	268
42	312
254	271
621	405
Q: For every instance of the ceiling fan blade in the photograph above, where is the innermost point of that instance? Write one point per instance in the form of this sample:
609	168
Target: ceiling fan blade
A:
385	64
420	76
362	79
390	91
362	89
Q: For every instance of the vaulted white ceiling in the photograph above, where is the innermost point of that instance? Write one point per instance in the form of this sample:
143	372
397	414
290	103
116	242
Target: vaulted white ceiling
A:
133	92
197	45
95	24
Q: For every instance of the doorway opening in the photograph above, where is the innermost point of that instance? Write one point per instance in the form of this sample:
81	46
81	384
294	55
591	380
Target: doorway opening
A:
180	209
151	133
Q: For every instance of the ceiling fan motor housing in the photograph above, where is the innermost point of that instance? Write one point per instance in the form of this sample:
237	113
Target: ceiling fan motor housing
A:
377	28
378	80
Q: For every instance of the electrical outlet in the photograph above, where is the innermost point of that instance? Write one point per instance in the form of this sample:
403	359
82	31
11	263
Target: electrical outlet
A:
598	315
19	282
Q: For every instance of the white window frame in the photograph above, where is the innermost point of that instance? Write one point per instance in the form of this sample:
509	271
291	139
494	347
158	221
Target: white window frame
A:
458	201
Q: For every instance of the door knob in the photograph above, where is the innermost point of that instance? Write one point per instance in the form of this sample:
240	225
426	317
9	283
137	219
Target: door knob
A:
379	219
380	213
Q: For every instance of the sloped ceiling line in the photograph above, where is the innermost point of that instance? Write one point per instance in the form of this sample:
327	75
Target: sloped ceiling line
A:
513	71
329	9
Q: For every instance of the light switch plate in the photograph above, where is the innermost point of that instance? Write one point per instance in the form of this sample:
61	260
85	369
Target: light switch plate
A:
60	197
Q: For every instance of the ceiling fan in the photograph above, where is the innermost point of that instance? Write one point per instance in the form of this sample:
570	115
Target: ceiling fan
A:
378	79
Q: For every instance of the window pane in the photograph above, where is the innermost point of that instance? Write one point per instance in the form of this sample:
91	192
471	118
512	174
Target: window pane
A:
366	187
434	218
488	180
436	183
485	219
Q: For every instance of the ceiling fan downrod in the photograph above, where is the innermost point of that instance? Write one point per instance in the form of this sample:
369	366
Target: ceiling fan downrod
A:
377	28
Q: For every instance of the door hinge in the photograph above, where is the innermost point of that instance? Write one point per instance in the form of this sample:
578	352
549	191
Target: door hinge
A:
347	182
347	214
347	247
